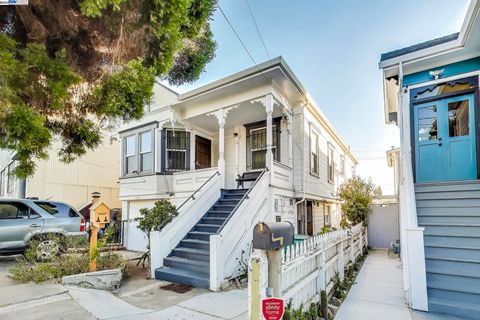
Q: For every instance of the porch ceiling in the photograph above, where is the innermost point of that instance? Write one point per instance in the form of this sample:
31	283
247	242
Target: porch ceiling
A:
244	113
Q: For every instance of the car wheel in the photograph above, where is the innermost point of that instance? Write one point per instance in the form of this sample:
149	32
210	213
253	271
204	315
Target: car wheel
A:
47	249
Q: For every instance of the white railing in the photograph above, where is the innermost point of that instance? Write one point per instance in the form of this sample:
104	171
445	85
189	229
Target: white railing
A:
311	266
282	175
189	213
236	235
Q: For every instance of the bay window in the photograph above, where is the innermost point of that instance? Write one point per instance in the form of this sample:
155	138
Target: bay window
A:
146	151
130	158
138	146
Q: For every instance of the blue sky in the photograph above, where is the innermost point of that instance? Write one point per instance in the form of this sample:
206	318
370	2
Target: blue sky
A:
334	47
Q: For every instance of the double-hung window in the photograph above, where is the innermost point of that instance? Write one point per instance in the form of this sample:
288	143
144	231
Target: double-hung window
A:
130	154
313	153
176	150
146	151
331	164
257	144
138	149
327	215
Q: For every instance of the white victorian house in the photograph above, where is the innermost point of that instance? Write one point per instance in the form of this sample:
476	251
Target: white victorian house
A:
247	148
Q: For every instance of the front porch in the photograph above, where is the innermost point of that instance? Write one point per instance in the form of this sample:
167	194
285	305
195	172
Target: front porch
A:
248	136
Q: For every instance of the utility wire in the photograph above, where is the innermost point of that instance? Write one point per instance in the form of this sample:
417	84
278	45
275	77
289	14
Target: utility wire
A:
258	30
238	37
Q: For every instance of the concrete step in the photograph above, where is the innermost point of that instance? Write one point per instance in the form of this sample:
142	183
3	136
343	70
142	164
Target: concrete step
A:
191	253
195	244
187	277
206	227
199	266
200	235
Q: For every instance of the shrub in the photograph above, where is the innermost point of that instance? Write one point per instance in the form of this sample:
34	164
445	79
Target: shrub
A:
27	268
357	195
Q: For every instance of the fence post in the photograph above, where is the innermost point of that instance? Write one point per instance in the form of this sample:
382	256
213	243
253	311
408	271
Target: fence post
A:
352	248
275	271
321	285
360	236
366	237
341	261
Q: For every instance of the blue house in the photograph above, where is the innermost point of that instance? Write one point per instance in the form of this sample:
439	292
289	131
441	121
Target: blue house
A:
431	93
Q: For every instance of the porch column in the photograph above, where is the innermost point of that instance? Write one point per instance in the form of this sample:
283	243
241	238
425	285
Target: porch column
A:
269	110
221	114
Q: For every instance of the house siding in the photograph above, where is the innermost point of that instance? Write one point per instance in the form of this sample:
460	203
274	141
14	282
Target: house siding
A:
73	183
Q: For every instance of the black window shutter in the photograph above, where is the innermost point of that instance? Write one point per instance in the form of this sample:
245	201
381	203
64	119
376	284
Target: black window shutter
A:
187	156
163	149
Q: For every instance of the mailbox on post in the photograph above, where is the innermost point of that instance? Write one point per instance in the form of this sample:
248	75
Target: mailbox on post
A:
272	235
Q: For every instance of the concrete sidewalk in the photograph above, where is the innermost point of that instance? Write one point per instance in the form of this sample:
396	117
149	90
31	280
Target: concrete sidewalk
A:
378	293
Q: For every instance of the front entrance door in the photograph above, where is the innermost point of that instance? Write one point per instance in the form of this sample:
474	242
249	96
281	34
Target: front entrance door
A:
203	153
445	140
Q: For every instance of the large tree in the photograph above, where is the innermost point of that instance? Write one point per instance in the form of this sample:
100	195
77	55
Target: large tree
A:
70	67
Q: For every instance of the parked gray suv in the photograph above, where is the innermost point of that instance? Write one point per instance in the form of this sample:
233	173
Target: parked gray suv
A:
25	220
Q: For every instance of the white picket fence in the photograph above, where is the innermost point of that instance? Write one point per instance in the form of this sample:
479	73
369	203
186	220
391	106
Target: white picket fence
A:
310	267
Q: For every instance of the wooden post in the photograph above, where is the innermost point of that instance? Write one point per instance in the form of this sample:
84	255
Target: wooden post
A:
275	272
341	260
92	267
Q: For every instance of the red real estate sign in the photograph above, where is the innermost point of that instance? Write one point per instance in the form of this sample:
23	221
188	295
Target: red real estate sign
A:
272	308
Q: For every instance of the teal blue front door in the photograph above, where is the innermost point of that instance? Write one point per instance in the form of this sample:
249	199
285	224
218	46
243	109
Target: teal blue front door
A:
445	140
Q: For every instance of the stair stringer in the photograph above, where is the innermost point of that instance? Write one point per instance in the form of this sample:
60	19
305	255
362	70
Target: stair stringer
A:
163	242
226	247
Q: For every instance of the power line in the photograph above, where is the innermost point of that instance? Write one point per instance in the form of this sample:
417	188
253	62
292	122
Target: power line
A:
258	30
238	37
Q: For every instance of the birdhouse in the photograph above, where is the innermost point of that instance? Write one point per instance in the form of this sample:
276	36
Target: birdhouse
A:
99	214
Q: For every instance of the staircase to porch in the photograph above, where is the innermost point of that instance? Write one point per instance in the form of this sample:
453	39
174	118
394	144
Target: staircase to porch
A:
450	214
189	262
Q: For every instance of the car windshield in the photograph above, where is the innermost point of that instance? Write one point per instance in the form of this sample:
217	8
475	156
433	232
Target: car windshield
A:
59	210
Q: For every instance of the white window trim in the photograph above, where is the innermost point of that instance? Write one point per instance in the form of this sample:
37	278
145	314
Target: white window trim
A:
317	147
330	158
274	146
136	132
175	150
